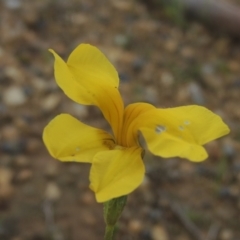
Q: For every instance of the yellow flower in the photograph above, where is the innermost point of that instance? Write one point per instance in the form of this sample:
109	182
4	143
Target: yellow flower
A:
117	167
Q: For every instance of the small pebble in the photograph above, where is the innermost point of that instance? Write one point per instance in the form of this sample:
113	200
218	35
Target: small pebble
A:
226	234
121	40
14	96
3	109
13	146
188	52
174	175
14	74
146	235
10	132
90	219
17	238
155	214
21	123
148	197
196	93
79	19
228	148
52	192
159	233
146	26
182	237
87	198
151	94
182	95
135	226
208	69
50	102
31	18
6	176
138	64
21	161
6	188
228	192
205	171
6	192
235	191
6	160
222	45
167	79
33	144
213	150
124	77
24	175
13	4
123	5
52	169
233	65
145	185
39	84
171	45
80	111
187	168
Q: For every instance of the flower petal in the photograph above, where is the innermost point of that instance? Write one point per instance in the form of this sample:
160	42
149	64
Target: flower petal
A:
89	78
91	63
67	139
131	113
116	173
167	145
178	131
67	82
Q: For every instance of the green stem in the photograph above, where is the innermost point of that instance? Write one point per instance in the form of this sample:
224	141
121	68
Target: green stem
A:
109	232
112	211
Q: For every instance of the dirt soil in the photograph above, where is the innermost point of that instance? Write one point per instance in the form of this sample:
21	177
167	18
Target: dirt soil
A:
158	61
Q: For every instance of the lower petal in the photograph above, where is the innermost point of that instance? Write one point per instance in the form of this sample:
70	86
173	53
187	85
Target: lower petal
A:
116	173
67	139
167	145
179	131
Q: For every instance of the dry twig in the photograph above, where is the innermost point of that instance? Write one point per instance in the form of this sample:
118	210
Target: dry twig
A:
186	222
218	14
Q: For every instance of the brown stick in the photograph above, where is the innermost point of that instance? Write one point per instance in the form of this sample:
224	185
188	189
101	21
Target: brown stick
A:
213	231
189	226
223	16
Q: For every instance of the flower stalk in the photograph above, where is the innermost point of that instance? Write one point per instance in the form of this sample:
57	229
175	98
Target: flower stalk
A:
109	231
112	211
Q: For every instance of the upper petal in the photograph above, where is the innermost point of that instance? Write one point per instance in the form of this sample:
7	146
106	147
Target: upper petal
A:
116	173
91	63
67	139
178	131
89	78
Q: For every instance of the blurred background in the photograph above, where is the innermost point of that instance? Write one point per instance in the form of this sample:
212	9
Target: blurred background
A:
168	53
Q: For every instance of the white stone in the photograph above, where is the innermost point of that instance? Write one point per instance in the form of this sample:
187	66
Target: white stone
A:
51	102
14	96
52	192
159	233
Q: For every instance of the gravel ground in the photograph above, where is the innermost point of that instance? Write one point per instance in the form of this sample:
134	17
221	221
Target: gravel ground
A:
158	62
